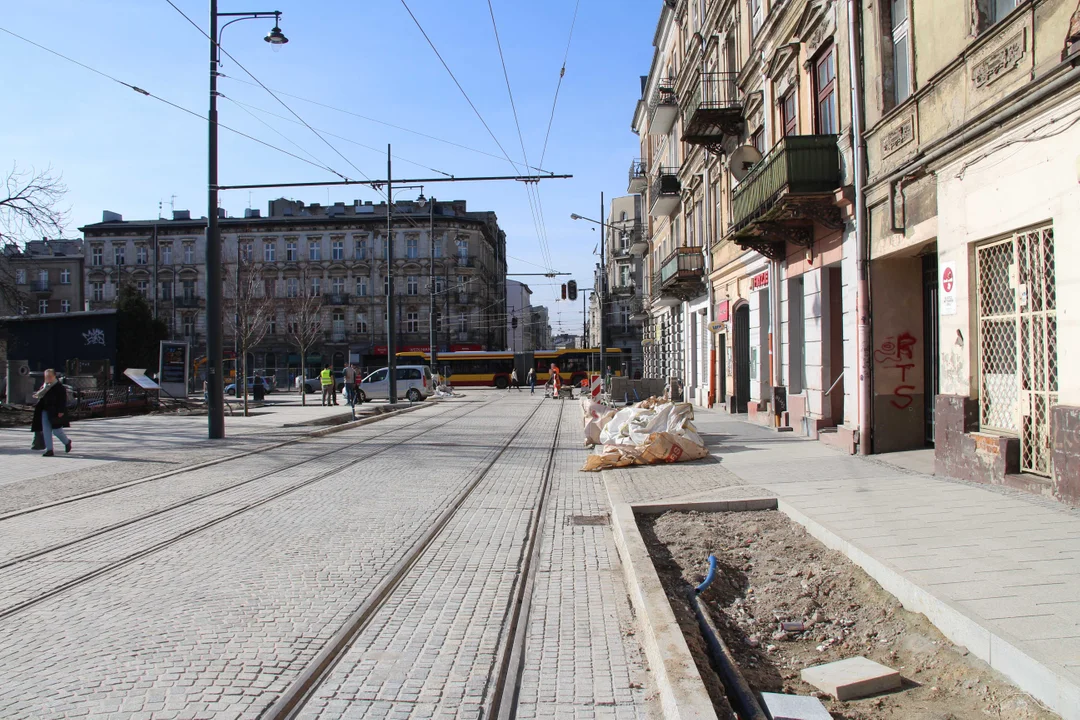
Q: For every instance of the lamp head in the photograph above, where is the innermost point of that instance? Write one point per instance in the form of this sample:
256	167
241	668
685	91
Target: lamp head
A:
575	216
276	38
421	201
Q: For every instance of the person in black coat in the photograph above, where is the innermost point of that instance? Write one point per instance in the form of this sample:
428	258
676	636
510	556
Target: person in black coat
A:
50	413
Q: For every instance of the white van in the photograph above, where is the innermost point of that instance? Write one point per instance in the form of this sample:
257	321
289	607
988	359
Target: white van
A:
414	382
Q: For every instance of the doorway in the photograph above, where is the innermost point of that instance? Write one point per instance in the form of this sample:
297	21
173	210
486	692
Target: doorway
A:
742	358
836	346
930	343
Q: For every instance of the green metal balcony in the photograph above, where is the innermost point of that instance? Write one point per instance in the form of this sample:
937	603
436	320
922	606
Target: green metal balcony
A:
713	111
800	171
681	275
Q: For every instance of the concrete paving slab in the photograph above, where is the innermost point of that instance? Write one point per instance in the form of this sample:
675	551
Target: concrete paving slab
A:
794	707
852	678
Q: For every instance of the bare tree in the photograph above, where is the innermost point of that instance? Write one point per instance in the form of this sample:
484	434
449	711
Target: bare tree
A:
249	309
29	209
303	316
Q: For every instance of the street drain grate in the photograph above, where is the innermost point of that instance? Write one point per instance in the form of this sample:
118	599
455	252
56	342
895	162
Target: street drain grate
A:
589	519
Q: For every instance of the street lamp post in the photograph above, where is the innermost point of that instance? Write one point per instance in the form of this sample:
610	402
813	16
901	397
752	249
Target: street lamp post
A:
433	352
601	290
215	397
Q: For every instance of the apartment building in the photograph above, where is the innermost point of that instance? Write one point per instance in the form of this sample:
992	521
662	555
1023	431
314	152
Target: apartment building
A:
41	277
972	197
623	283
337	252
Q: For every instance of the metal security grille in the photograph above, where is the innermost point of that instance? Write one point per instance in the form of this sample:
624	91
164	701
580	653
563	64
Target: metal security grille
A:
1018	341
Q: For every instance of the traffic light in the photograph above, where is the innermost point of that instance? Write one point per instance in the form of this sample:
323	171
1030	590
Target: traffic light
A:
513	323
571	290
564	291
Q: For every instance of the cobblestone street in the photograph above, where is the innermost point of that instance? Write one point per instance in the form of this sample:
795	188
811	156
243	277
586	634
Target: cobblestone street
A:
395	549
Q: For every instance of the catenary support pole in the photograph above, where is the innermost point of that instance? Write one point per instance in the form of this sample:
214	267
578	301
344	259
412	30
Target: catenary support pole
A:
602	294
433	352
862	261
391	320
215	400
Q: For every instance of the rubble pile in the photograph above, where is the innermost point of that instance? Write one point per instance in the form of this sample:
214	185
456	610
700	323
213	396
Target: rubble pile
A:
650	432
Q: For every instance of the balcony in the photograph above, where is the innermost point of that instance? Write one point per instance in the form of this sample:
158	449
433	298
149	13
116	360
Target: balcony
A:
41	289
713	112
663	109
336	299
681	275
665	192
789	190
639	308
619	290
639	243
638	178
187	301
466	261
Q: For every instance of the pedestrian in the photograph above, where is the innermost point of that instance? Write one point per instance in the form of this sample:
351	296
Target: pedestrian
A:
514	382
556	381
349	377
531	377
326	379
50	413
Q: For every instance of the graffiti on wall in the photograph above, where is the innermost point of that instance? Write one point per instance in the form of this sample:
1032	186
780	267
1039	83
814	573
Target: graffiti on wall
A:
897	353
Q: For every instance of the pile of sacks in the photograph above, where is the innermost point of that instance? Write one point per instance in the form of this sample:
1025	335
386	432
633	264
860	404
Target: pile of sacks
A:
652	431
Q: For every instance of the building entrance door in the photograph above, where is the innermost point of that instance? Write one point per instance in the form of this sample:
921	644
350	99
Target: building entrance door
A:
1017	309
742	358
930	343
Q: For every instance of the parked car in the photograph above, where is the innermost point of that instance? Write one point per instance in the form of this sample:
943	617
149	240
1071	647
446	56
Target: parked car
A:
413	382
252	381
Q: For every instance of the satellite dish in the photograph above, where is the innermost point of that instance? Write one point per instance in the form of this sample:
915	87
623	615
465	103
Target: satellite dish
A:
744	158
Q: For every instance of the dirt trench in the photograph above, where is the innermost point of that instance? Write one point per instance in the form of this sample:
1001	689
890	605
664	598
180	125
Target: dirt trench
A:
771	570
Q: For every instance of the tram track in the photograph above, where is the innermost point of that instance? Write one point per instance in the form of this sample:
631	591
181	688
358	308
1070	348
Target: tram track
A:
508	664
146	550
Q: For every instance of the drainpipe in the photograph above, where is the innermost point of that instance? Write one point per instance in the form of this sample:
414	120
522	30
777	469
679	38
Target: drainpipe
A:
862	262
710	350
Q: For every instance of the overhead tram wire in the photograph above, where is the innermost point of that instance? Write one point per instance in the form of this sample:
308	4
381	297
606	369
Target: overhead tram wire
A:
558	86
275	130
339	137
271	92
149	94
471	104
380	122
539	211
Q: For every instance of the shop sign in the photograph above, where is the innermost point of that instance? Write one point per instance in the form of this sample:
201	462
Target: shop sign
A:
760	281
948	288
716	327
723	310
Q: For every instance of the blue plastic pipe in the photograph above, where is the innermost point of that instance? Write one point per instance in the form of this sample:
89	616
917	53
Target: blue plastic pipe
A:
708	578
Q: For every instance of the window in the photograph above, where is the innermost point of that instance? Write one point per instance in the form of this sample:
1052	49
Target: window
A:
625	276
463	323
65	277
143	286
463	249
166	290
825	87
338	325
361	286
338	285
383	248
189	253
361	322
20	277
385	284
97	291
118	255
189	325
758	140
438	248
142	255
42	307
269	251
316	286
65	306
268	288
1000	8
292	287
440	285
361	249
247	253
901	51
188	289
165	250
755	17
413	285
96	255
314	250
271	329
789	117
43	278
412	322
290	251
412	250
337	250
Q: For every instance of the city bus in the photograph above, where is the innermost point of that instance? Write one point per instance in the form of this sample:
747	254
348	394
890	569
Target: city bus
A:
492	369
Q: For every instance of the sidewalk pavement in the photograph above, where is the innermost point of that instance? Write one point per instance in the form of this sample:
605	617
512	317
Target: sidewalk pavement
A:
997	570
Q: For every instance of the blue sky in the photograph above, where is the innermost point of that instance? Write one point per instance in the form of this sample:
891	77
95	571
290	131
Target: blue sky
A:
121	151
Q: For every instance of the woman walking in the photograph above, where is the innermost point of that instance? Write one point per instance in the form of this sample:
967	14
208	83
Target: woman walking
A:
50	413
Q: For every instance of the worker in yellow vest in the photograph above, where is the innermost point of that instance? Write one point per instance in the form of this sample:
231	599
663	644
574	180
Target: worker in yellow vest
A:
326	377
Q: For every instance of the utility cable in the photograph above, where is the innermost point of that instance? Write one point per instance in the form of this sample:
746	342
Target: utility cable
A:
260	83
562	73
149	94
